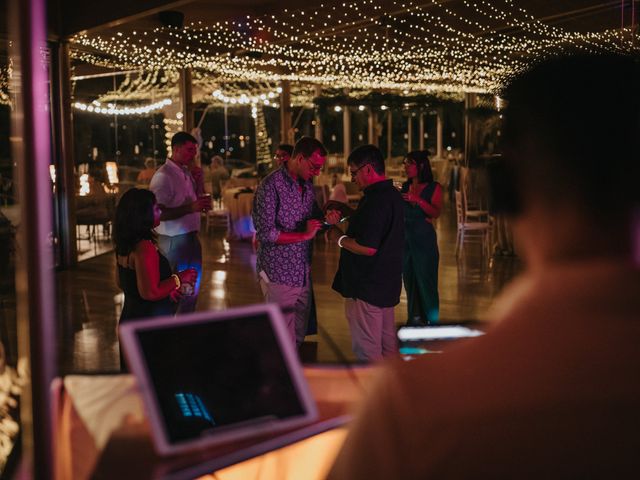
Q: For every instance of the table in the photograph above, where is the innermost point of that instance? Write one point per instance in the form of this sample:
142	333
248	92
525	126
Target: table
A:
239	206
100	432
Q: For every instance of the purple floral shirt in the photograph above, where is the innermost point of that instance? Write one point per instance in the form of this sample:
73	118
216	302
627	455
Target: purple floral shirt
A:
280	206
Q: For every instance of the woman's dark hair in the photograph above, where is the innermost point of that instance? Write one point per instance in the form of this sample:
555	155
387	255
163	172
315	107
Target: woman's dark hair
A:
421	159
134	220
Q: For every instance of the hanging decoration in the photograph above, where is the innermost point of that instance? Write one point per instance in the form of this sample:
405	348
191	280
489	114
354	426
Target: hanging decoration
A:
5	76
141	86
111	109
463	46
263	153
268	99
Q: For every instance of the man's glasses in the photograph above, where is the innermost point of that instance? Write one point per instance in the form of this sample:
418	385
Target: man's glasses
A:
312	167
355	172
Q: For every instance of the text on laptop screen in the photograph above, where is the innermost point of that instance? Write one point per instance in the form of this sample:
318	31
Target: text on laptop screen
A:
211	376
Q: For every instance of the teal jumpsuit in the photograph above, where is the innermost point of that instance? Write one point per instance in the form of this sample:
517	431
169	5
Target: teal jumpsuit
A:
421	257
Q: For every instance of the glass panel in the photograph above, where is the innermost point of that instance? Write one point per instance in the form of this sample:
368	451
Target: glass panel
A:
10	379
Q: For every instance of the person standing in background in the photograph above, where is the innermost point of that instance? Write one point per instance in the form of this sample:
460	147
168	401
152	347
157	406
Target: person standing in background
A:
150	287
175	189
423	204
282	155
145	176
218	174
369	274
287	217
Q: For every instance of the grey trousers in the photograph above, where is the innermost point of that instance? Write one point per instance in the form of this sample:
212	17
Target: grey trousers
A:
295	303
373	330
184	251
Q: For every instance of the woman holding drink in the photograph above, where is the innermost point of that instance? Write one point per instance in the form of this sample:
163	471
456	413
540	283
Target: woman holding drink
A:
423	197
150	288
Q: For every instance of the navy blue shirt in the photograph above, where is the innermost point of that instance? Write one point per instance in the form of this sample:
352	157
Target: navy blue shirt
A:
283	204
377	223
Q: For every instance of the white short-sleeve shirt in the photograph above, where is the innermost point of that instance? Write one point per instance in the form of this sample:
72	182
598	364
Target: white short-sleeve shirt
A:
174	186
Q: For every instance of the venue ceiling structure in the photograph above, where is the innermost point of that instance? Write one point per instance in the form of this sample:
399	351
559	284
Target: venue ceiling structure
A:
393	45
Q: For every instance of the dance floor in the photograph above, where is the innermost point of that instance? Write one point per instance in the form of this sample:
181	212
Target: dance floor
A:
90	301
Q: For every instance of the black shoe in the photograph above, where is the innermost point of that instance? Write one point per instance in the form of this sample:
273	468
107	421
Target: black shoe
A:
416	322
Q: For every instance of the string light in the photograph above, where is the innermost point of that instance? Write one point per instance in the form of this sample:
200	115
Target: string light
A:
243	99
111	109
5	76
401	45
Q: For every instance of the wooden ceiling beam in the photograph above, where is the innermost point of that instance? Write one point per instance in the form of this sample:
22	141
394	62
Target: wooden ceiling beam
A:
83	16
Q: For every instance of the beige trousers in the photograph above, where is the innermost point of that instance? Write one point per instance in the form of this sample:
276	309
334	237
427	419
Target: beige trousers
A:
373	330
294	302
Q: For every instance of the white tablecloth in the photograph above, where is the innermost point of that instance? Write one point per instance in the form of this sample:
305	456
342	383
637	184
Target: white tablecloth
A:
240	206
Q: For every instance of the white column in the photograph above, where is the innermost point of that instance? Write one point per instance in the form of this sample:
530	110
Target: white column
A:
421	132
409	133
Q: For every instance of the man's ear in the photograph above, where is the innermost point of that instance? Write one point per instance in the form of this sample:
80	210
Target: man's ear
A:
297	158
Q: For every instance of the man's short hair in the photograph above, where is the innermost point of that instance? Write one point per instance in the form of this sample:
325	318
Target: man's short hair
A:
572	134
181	138
285	147
306	146
367	154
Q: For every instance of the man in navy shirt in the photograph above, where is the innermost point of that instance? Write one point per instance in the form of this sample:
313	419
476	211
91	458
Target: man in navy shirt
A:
369	275
287	218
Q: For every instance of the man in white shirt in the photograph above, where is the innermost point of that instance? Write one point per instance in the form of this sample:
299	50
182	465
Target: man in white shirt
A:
175	189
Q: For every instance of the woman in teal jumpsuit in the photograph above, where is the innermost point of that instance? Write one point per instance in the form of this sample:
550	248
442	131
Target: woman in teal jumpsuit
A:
423	199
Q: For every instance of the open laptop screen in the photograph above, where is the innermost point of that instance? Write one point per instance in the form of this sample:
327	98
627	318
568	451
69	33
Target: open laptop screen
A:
217	377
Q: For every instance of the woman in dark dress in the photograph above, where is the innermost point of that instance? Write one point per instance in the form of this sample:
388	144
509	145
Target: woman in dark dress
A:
423	199
144	275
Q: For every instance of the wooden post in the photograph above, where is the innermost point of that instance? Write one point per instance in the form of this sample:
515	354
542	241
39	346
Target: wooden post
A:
409	133
35	284
346	131
373	124
439	129
470	101
421	132
186	97
318	126
286	135
389	134
63	147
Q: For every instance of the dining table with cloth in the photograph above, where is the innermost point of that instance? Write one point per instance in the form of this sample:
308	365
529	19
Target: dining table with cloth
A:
239	203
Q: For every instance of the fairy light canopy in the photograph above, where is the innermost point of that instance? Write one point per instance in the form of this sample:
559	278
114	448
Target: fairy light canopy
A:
428	46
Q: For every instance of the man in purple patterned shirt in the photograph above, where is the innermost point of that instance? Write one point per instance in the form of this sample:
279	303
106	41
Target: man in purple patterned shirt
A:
287	217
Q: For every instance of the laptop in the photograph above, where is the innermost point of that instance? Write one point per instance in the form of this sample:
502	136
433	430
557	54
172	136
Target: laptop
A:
211	378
